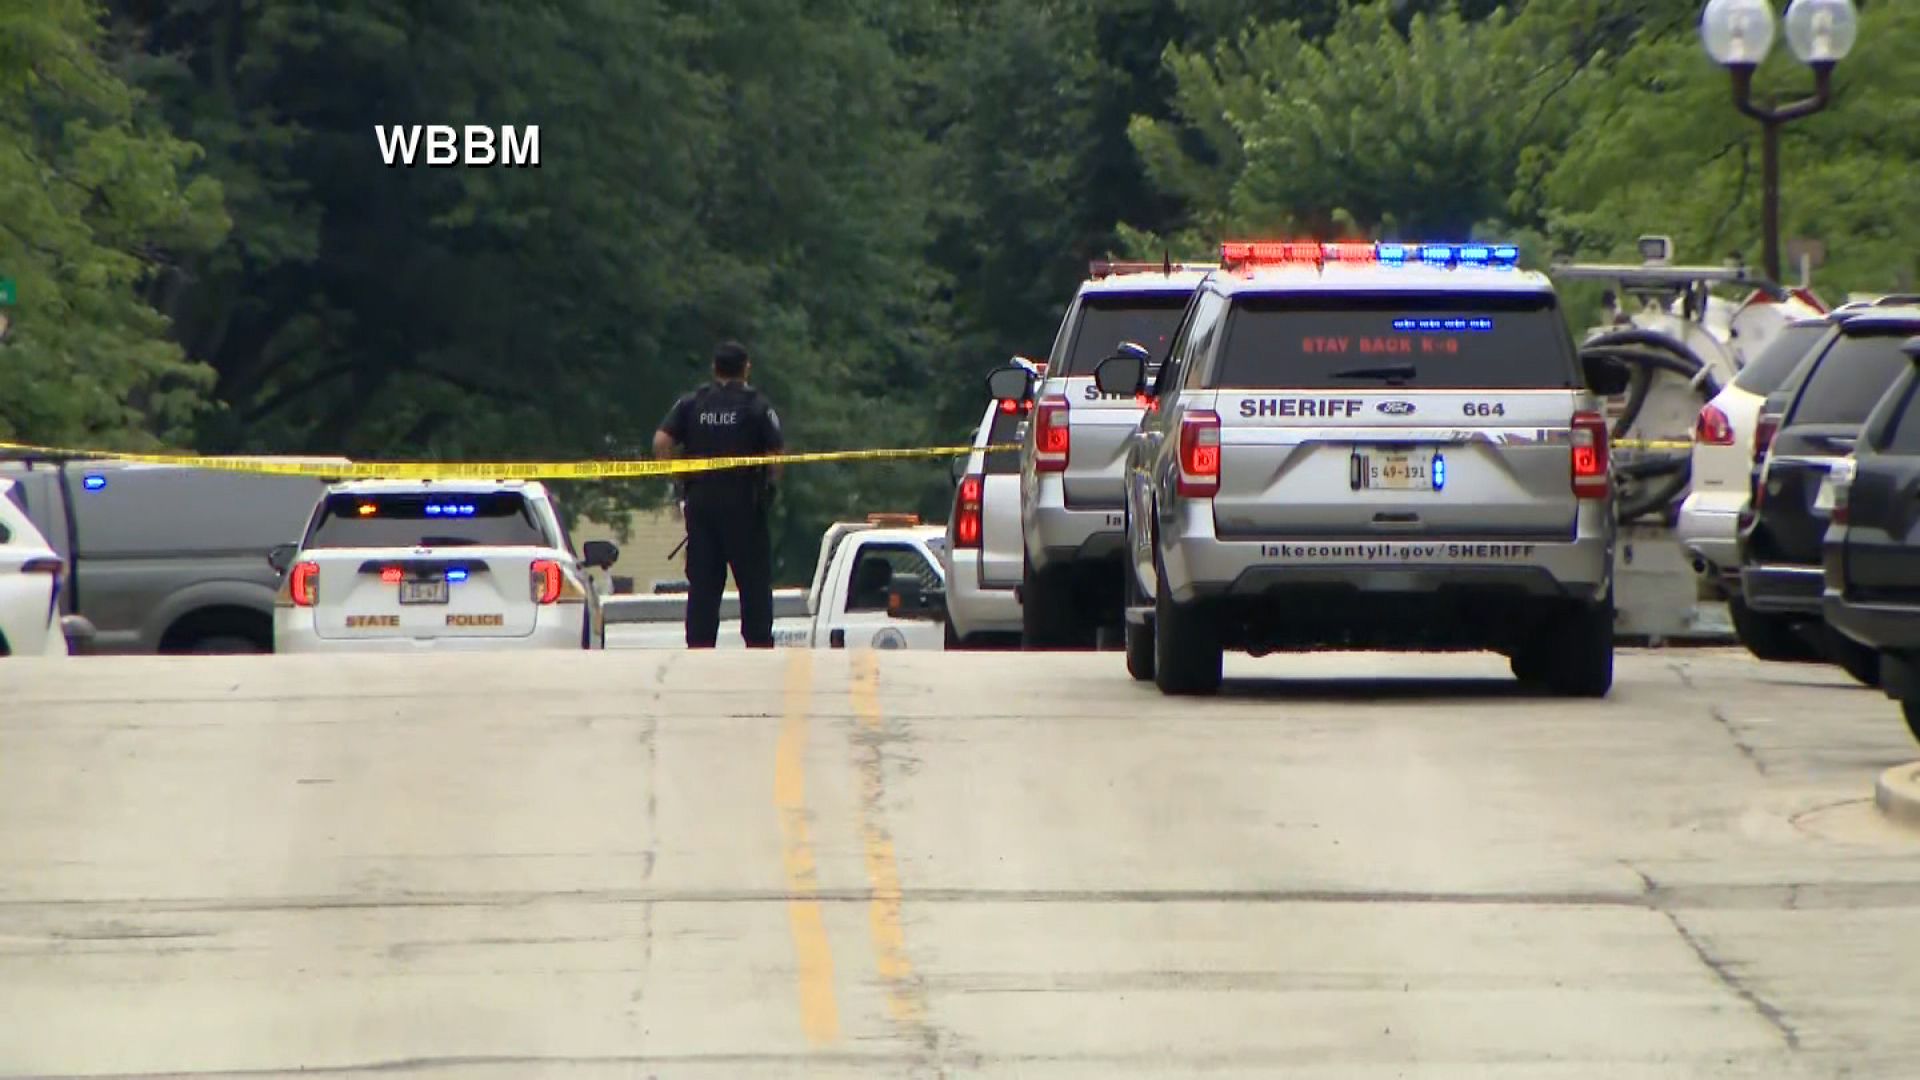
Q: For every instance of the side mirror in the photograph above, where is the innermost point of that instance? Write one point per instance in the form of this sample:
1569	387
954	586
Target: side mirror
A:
1912	348
281	557
1124	373
600	554
79	631
908	599
1010	383
1606	377
956	467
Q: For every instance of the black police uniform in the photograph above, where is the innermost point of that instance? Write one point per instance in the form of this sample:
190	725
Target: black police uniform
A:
726	510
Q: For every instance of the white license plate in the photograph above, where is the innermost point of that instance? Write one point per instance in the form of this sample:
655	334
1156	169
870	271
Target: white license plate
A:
423	592
1393	470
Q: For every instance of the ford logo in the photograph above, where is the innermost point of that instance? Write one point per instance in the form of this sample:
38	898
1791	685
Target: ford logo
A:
1396	408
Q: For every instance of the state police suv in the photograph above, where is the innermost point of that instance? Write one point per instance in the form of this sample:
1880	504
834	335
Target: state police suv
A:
406	564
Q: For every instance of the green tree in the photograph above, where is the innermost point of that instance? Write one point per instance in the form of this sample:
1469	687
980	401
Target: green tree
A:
97	213
1660	149
1377	128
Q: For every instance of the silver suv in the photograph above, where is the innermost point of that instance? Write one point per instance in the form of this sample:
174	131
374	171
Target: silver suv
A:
1071	509
1361	446
983	531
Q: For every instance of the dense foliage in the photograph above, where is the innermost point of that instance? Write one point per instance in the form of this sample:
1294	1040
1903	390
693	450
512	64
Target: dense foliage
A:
882	199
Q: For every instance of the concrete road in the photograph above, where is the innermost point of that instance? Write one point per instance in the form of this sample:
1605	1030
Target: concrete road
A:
904	864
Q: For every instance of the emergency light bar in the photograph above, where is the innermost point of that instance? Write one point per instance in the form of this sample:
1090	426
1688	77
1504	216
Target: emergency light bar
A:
1244	254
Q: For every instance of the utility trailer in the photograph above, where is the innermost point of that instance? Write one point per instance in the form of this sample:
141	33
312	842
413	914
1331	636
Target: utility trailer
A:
1681	341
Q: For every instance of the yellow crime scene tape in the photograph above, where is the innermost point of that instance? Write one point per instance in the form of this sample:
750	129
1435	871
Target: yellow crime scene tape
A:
616	469
488	470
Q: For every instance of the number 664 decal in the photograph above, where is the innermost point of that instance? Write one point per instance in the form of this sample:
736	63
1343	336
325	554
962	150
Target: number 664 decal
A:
1483	408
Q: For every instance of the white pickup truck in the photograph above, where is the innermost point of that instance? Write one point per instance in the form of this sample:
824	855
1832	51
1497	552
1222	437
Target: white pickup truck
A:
878	584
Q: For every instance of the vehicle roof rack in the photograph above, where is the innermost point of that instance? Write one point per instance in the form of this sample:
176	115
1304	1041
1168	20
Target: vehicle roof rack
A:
1105	268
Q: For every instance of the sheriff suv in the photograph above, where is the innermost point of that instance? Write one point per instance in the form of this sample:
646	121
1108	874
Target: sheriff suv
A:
1373	447
1071	512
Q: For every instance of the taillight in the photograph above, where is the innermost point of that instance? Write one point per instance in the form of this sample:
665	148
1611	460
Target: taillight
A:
391	575
966	512
1763	433
544	581
1592	477
1840	478
1199	454
1712	427
1052	442
303	584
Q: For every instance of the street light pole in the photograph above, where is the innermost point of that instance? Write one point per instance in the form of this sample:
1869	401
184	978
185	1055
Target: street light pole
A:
1771	121
1738	35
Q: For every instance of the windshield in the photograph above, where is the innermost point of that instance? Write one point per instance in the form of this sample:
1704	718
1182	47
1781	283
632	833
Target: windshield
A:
1851	378
1107	319
1770	369
1416	340
437	519
1008	429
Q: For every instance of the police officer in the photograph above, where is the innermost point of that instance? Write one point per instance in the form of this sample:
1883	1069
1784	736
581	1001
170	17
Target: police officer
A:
726	510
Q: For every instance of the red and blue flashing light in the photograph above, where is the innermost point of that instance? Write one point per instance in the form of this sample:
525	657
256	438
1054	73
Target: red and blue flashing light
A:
1242	254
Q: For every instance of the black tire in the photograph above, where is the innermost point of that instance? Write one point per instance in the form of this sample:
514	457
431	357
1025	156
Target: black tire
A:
1049	618
1578	657
1860	661
1186	644
224	645
1910	711
1140	645
1769	637
1529	666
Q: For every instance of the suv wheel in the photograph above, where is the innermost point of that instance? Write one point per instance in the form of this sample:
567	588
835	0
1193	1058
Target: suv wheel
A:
1140	646
1576	660
1860	661
1186	644
1768	637
1048	616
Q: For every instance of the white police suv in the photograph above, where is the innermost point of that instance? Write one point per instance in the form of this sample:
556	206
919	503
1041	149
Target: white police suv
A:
405	564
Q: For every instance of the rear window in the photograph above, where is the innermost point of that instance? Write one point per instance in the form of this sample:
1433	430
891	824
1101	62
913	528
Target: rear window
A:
1770	369
1905	436
1852	377
1107	319
438	519
1419	341
1007	429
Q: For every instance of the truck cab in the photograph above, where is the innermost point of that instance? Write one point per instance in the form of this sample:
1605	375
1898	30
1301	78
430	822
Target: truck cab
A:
879	584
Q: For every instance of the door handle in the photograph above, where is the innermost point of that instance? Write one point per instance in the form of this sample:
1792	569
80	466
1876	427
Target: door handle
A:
837	638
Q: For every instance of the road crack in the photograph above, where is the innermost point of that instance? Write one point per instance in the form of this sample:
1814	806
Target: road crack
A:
1721	970
1746	750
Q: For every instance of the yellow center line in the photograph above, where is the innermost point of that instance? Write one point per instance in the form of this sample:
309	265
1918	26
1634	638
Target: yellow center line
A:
904	999
819	1013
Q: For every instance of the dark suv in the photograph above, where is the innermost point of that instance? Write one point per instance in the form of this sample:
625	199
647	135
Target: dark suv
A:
1783	527
1873	547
